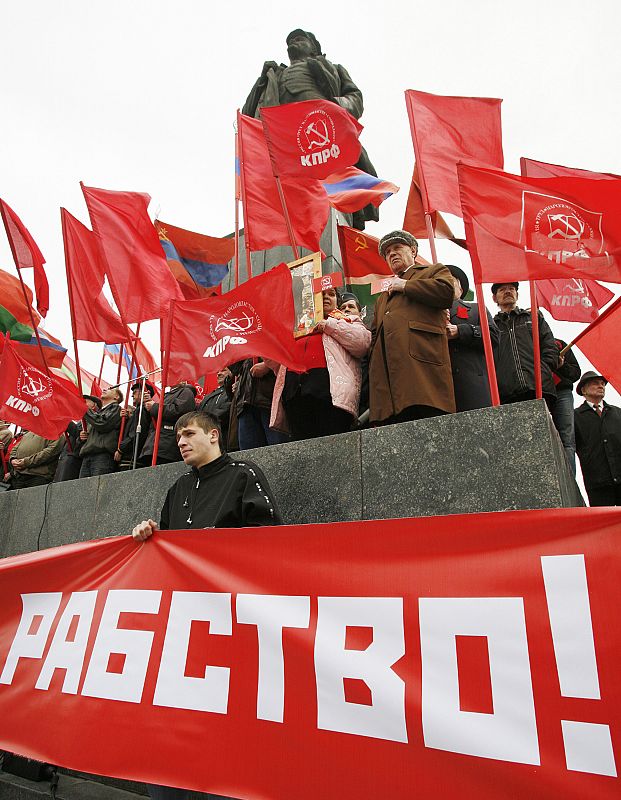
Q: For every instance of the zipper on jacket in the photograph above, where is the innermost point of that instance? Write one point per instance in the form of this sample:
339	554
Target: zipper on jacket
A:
516	353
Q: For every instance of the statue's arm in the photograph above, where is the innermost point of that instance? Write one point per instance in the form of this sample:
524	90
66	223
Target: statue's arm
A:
350	97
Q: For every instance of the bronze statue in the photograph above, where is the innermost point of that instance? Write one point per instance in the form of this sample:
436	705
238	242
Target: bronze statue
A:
310	76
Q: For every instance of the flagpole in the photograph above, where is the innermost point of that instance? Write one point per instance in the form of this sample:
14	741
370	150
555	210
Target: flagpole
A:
423	185
101	366
285	211
487	346
70	292
160	408
23	285
244	199
237	193
534	314
129	384
139	423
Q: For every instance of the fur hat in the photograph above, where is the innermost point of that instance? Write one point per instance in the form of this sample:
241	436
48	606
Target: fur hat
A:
394	237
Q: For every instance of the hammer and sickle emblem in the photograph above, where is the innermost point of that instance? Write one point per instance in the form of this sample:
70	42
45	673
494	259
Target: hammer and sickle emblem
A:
361	243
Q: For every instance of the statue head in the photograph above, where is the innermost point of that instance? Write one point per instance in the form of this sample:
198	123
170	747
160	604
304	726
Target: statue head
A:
302	44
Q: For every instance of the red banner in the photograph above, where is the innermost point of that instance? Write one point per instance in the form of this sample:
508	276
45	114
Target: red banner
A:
446	130
312	139
381	658
256	319
329	281
573	299
38	402
26	254
601	344
264	222
532	228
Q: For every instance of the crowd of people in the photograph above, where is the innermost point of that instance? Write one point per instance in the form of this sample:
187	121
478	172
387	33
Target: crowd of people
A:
423	356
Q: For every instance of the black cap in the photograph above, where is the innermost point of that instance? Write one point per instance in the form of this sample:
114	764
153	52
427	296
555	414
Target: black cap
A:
588	376
461	276
496	286
96	400
148	386
310	36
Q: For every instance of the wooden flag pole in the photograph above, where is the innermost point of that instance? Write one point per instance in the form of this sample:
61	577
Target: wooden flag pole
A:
240	141
27	301
423	185
534	315
160	408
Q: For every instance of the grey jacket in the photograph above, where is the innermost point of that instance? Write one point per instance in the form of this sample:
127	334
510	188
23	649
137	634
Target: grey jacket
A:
103	430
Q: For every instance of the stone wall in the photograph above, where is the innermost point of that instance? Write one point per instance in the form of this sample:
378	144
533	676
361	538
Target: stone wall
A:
487	460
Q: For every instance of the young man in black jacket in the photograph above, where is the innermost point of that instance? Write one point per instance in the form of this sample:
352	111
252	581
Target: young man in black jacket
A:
217	492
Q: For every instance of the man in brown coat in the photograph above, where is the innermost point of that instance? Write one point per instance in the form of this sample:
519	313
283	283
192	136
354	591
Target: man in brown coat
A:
409	364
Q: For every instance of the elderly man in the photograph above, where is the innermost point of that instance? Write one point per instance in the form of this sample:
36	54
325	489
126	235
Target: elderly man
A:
514	356
310	76
409	363
598	441
463	328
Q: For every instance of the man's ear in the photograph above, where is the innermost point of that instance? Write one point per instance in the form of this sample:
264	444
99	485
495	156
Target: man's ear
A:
213	436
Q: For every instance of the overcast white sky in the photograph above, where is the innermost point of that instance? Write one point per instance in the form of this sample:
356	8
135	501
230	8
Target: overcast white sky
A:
141	95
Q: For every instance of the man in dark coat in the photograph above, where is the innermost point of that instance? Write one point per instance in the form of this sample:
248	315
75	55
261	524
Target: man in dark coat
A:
134	440
102	435
70	460
514	356
409	364
218	404
310	76
598	441
463	328
565	375
177	401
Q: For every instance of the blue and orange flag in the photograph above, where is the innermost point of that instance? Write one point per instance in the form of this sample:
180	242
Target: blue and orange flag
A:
198	262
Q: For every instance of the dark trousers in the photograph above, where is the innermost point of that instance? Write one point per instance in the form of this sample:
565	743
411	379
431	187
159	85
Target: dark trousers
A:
253	429
97	464
19	481
310	417
605	495
411	413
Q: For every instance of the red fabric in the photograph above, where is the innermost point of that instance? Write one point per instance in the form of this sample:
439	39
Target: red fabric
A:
385	605
264	223
414	219
462	312
30	352
12	298
312	139
541	228
362	262
141	282
95	319
26	254
310	352
541	169
573	299
446	130
255	319
601	344
28	397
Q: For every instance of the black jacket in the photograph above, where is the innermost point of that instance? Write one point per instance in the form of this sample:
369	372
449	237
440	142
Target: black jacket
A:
515	362
177	402
129	434
598	444
218	404
468	356
568	374
222	494
103	430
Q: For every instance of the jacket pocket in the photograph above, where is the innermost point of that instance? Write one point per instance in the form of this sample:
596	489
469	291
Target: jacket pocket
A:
426	343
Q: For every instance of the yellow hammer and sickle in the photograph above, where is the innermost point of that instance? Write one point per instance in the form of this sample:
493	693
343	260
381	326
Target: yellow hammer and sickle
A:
361	243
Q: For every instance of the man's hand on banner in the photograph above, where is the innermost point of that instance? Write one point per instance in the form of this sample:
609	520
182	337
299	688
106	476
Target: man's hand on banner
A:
145	529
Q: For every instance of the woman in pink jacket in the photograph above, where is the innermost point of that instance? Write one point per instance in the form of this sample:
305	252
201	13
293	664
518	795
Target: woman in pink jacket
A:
324	399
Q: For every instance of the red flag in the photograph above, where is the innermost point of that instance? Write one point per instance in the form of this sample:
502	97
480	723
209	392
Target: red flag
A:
95	319
446	130
255	319
26	254
541	169
141	282
311	139
362	262
145	360
28	397
12	298
573	299
414	220
264	223
535	228
601	344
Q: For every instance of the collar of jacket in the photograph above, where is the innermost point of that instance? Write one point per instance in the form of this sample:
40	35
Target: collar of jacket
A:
214	466
517	311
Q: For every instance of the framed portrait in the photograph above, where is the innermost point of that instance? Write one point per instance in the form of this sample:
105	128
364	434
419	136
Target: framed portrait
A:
308	304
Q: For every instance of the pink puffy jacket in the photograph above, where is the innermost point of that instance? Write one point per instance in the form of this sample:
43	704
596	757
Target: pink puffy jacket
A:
344	344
